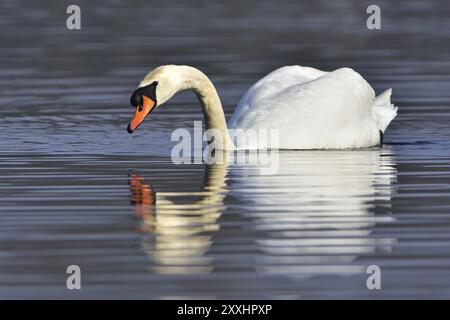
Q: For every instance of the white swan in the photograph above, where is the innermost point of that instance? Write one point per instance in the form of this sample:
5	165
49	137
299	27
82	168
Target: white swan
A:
311	109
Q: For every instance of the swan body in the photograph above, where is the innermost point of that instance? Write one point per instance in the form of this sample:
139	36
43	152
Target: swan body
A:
308	108
313	109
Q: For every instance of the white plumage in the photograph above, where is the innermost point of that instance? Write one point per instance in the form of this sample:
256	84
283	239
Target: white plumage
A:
305	107
313	109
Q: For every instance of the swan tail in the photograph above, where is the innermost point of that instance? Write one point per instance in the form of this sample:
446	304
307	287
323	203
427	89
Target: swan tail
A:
383	110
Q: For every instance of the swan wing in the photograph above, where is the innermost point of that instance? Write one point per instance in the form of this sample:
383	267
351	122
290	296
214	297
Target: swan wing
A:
310	109
272	84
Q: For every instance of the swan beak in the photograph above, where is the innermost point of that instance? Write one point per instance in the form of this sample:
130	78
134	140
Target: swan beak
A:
141	113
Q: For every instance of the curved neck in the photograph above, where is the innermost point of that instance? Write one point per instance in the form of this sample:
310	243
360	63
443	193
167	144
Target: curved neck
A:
197	81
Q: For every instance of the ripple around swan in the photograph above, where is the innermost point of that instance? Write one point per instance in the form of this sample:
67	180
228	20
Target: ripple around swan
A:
321	219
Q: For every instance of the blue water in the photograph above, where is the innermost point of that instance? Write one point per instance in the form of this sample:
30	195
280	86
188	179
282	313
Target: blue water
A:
217	231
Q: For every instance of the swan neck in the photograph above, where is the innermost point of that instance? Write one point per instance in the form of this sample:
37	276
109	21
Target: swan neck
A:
210	102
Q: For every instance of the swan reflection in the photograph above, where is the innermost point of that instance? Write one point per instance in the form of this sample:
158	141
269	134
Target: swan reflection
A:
181	231
316	215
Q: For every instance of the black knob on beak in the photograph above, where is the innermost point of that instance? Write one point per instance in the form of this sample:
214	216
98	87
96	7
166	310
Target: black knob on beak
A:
136	98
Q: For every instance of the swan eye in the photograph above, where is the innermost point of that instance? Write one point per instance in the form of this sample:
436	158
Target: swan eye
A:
136	99
148	91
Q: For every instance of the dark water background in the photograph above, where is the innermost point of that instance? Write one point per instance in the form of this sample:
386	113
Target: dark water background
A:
200	231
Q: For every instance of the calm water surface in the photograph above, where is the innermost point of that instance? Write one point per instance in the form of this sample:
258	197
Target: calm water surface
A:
217	231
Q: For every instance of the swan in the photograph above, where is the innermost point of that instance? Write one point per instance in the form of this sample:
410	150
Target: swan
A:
308	108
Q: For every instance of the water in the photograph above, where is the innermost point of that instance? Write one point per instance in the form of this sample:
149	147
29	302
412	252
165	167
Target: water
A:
219	231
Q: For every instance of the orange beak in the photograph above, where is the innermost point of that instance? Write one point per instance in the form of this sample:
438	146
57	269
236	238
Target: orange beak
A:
141	113
141	192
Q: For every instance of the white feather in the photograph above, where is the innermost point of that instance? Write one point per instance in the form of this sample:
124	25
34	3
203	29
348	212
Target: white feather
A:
313	109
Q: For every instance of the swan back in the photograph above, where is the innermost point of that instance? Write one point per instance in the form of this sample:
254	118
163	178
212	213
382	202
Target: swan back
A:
311	109
273	84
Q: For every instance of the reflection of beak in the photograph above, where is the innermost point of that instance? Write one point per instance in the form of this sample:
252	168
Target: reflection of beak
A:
141	192
141	112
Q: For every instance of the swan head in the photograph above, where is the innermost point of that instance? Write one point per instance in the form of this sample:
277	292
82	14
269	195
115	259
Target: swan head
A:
158	86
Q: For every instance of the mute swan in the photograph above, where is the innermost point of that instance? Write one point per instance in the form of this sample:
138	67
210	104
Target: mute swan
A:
311	109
